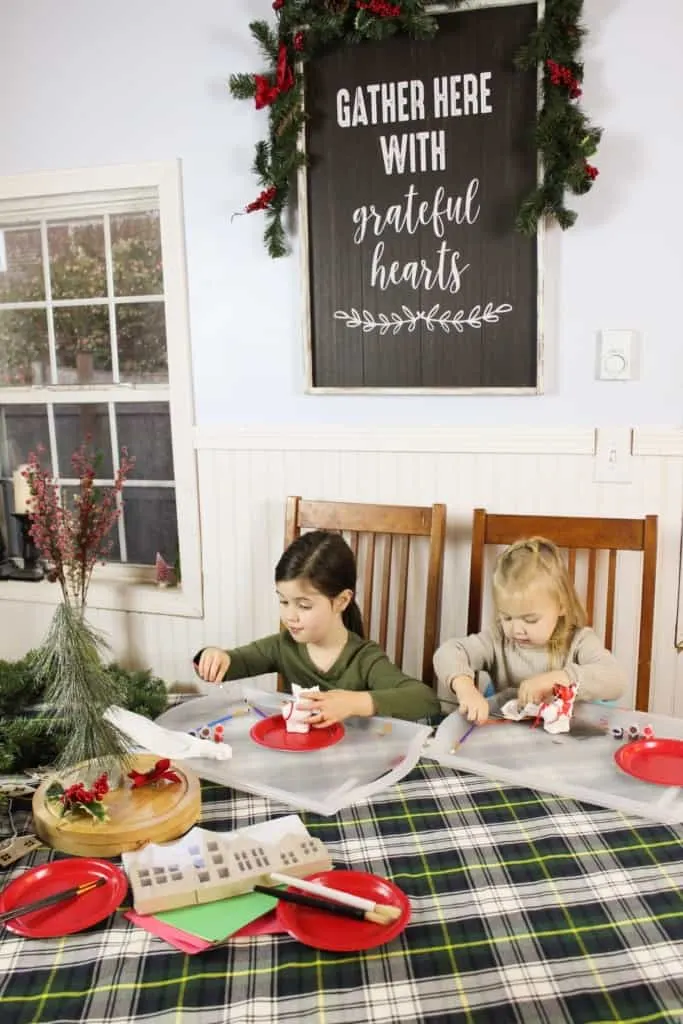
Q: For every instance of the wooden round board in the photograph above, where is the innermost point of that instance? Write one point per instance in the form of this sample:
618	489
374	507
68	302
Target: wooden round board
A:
150	814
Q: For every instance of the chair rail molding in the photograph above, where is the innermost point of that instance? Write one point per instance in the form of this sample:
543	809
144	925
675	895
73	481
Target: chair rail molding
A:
323	437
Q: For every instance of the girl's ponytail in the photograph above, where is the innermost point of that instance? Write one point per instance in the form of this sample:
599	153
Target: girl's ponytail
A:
353	620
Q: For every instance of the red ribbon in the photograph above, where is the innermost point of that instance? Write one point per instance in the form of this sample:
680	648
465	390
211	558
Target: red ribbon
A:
161	770
265	93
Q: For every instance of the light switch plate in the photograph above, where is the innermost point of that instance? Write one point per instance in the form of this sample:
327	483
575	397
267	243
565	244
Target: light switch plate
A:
613	458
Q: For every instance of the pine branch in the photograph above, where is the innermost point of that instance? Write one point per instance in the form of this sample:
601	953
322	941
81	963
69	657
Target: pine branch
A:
564	135
266	39
242	86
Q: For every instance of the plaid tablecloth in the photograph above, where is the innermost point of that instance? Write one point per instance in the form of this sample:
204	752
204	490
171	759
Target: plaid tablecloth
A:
527	909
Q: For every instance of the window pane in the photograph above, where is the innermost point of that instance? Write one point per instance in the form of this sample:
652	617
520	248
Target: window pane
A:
83	345
75	424
21	265
23	428
145	430
77	265
141	338
24	351
150	523
136	254
114	554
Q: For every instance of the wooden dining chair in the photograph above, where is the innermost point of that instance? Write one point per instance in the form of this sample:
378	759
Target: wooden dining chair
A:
575	534
385	539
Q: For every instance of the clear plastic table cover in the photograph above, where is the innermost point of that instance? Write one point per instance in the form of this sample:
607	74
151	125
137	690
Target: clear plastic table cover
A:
373	754
565	765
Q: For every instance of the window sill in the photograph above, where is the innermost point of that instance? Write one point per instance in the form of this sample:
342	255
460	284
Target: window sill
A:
112	595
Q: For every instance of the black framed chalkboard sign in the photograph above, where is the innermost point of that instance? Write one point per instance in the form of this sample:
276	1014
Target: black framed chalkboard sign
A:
419	155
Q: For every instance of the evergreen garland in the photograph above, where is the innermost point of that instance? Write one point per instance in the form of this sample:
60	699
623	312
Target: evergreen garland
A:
310	28
30	735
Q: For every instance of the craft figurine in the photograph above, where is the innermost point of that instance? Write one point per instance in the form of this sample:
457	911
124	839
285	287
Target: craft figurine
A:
297	719
556	712
633	732
163	572
648	733
618	732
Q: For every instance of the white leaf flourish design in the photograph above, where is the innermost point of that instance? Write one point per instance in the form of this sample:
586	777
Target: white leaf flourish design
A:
447	320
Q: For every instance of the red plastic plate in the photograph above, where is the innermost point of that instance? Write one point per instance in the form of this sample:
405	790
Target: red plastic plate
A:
75	914
655	760
337	934
272	732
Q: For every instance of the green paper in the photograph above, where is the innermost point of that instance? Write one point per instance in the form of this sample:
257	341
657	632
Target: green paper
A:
217	920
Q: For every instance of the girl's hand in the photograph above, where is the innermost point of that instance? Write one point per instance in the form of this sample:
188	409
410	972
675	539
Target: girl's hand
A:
536	689
473	705
336	705
213	664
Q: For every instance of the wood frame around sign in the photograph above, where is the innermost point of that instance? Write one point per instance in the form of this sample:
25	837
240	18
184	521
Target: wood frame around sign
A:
302	202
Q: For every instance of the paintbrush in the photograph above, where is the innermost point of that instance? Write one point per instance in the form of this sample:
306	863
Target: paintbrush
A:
349	899
328	906
50	901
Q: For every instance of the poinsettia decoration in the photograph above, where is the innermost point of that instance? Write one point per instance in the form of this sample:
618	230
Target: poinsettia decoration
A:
78	799
161	772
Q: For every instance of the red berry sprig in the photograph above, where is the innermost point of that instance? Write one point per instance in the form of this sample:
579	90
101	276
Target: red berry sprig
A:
78	794
590	171
561	75
263	200
379	7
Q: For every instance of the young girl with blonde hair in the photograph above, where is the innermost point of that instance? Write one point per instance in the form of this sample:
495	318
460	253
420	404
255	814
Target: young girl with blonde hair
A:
540	637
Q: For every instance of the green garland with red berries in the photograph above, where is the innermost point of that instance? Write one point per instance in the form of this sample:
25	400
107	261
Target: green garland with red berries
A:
305	29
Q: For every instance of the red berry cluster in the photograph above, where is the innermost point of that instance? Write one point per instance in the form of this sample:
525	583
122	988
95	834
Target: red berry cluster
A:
78	794
379	7
278	4
591	172
561	75
298	41
263	200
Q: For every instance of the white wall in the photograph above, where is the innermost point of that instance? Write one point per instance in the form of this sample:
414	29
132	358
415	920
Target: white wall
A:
88	83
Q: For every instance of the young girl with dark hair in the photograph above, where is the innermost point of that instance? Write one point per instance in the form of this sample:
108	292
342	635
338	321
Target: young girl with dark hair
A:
322	643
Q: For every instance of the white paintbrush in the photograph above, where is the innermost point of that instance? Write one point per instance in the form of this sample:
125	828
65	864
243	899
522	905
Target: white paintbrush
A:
339	896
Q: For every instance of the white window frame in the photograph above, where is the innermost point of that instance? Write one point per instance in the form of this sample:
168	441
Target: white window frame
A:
125	587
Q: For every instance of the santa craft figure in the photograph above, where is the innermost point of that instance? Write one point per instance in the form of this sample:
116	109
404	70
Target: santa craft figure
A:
556	712
296	718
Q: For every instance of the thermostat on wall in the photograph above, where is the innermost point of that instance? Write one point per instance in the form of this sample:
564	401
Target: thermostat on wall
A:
616	355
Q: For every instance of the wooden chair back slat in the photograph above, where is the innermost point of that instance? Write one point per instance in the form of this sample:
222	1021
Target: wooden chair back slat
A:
386	590
571	564
590	586
404	554
611	593
575	534
368	581
362	524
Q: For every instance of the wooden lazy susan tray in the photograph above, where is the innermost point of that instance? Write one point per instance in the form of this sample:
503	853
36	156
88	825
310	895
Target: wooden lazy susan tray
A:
150	814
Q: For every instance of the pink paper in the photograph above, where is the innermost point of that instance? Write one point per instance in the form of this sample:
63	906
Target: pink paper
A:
186	943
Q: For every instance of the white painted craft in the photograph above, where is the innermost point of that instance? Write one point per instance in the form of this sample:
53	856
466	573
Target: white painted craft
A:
297	719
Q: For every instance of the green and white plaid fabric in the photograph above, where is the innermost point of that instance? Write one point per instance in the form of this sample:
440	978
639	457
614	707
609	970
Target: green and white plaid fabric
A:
527	909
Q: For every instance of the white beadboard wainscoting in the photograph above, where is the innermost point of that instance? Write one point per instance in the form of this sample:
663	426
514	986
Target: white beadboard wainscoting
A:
246	474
